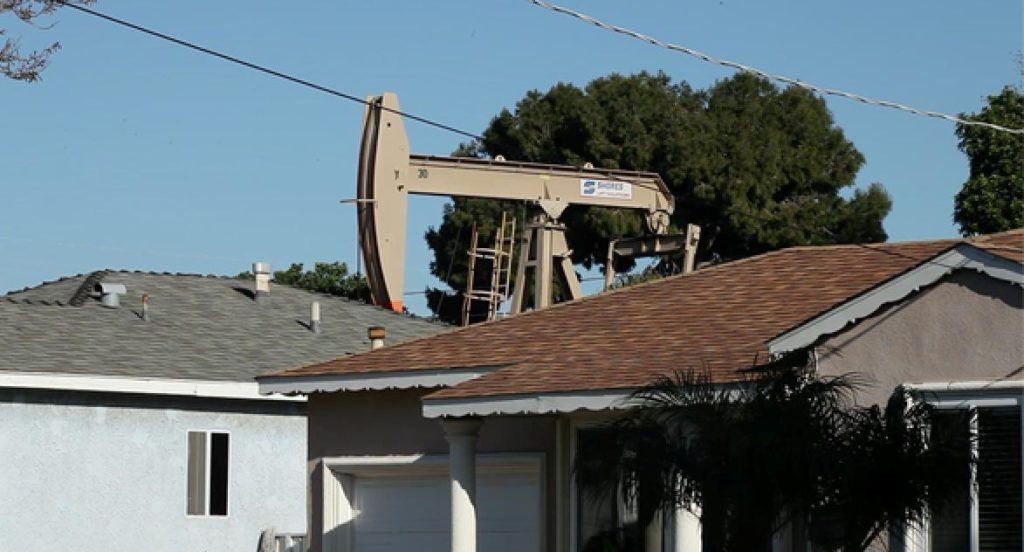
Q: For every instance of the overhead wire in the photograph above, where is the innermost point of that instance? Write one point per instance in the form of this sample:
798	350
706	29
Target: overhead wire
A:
578	15
558	9
264	69
765	74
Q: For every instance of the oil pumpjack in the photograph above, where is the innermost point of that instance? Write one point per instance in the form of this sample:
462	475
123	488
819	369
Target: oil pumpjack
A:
388	173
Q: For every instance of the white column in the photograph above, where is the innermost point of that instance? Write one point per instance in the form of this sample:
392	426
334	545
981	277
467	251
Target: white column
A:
686	531
654	533
462	434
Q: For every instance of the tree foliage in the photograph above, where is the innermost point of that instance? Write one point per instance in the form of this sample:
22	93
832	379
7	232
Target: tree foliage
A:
331	278
785	447
992	199
26	66
757	167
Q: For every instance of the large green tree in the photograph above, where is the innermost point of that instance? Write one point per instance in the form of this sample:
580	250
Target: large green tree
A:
992	199
758	168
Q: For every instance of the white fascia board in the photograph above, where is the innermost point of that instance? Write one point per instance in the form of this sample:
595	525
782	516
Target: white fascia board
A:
963	256
373	381
145	386
541	403
964	394
966	386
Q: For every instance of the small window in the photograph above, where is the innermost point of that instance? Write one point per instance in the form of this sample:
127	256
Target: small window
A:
984	515
207	493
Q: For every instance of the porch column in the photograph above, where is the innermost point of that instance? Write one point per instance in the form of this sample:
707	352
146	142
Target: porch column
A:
462	434
686	531
654	533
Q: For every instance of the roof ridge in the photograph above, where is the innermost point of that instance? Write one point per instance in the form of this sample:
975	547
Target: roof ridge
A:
169	273
92	278
36	302
871	245
43	283
82	293
359	303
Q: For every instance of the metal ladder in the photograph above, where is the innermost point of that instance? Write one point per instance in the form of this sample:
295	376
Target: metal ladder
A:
500	257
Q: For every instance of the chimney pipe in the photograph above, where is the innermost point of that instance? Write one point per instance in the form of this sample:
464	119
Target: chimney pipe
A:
145	307
376	335
261	273
314	316
110	294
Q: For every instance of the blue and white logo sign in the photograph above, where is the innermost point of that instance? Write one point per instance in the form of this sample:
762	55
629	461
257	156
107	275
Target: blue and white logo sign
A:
607	189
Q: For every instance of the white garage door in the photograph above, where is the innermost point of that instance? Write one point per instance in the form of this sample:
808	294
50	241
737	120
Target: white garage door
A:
394	513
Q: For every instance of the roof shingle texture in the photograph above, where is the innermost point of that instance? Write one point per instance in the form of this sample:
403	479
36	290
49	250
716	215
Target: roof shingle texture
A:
201	327
717	319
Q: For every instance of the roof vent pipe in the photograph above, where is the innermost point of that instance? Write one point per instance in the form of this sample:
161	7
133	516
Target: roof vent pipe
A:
314	316
376	335
145	307
261	273
110	294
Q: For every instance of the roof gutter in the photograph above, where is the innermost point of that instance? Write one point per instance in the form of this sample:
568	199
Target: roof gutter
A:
535	403
143	386
372	381
962	386
969	394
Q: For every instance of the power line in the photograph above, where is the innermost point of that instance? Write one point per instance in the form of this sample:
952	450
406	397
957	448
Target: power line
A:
771	76
263	69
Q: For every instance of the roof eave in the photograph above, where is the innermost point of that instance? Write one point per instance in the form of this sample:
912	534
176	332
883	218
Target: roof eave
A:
207	389
528	403
372	381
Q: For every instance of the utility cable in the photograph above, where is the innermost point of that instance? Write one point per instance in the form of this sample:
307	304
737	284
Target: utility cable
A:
771	76
263	69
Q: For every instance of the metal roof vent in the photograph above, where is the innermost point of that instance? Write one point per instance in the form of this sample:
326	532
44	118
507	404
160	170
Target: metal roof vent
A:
110	294
376	335
314	316
261	274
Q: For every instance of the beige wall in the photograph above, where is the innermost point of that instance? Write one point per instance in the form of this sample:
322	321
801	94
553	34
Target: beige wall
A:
379	423
968	327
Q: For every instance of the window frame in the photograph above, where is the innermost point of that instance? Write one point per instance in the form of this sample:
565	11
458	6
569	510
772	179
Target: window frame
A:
207	461
918	538
578	423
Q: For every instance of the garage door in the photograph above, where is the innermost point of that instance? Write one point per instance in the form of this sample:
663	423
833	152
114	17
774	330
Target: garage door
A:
396	512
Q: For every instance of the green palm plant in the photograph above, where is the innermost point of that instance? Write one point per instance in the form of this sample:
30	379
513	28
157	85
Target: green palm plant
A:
893	467
783	447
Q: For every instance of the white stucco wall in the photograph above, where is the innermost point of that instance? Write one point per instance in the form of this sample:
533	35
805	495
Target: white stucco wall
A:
105	472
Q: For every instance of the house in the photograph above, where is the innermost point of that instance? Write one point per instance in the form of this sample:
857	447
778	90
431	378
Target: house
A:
464	440
130	428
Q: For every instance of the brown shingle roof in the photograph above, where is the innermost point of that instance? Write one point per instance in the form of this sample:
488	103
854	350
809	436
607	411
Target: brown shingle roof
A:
1009	244
718	319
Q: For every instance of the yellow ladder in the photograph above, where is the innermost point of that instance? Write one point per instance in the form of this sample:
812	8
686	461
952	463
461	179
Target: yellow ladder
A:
500	258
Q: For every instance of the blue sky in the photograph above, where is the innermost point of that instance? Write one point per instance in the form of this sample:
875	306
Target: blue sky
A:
134	153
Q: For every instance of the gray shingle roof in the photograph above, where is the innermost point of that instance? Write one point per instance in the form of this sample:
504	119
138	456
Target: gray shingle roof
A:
201	327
